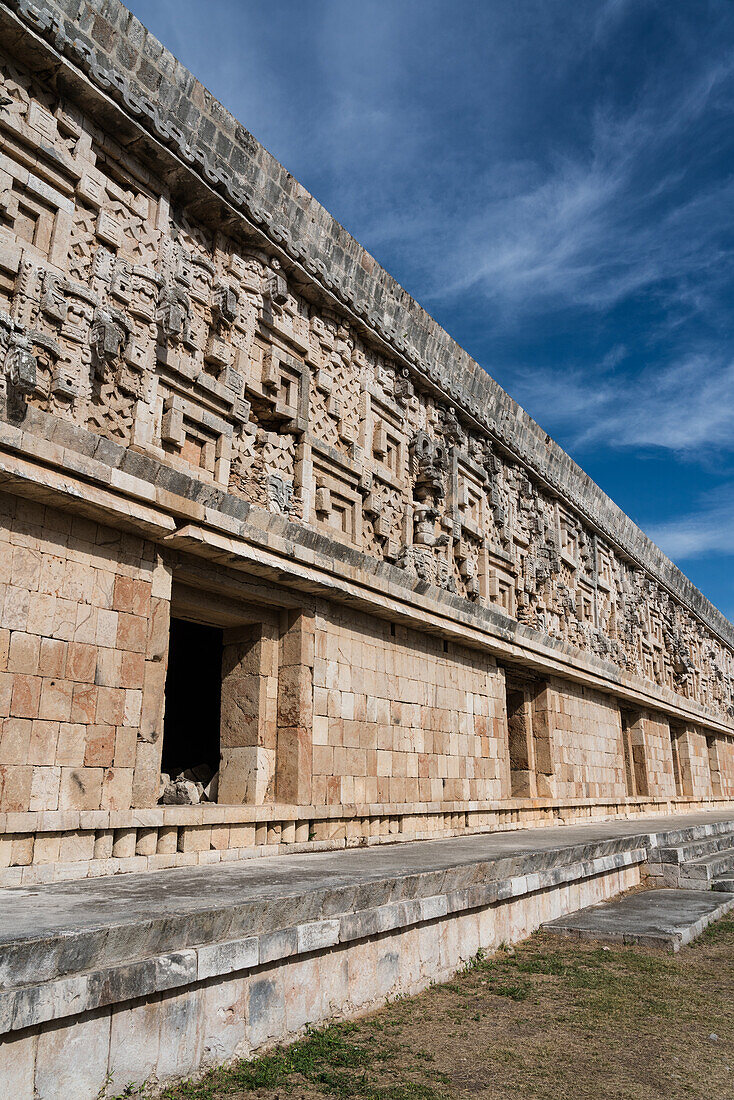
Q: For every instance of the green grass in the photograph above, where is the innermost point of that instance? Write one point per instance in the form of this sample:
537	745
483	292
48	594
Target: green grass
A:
338	1060
719	930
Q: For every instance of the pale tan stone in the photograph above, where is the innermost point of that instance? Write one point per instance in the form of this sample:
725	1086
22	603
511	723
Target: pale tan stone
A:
72	1057
123	844
146	842
326	705
77	845
167	840
18	1064
194	838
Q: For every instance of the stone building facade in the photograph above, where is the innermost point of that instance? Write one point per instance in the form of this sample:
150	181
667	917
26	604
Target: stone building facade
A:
231	444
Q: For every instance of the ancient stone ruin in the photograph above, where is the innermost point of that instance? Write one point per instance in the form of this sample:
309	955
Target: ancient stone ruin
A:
281	567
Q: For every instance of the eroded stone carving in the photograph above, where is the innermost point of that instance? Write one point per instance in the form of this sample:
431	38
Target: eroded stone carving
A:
19	362
174	310
108	336
128	317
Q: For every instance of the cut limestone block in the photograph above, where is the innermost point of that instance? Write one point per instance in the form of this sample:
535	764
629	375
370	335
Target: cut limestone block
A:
655	918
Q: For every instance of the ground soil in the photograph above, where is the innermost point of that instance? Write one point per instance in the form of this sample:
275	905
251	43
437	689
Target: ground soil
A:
548	1019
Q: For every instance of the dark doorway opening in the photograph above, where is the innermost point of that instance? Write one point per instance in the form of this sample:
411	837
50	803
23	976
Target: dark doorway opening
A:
193	697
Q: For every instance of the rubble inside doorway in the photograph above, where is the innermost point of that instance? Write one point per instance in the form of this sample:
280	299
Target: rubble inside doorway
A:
189	786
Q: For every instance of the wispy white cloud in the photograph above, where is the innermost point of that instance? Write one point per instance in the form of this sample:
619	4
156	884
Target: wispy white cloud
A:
608	221
610	13
708	530
686	406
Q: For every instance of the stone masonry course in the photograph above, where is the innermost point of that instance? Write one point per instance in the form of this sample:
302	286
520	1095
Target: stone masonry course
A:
226	432
283	572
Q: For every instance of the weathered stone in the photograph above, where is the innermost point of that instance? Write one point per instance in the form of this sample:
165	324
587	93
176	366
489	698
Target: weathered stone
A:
657	918
224	1021
431	622
226	958
180	792
265	1010
74	1061
179	1037
163	973
133	1054
18	1064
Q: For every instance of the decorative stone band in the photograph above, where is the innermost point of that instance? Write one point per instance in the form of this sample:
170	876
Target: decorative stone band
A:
41	1002
54	462
252	184
47	847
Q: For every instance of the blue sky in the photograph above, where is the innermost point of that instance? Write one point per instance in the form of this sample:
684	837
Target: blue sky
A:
554	182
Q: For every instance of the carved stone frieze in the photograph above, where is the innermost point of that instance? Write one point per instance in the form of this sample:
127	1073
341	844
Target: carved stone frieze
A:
19	367
147	323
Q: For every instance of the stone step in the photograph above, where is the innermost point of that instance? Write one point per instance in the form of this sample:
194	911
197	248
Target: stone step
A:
672	838
693	849
654	918
677	846
724	884
697	874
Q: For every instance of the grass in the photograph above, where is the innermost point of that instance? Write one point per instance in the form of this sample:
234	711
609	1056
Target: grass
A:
545	1020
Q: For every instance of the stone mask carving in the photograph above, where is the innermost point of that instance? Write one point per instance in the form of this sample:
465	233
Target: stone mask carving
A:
224	304
174	311
19	367
276	285
53	299
108	336
432	464
280	494
20	364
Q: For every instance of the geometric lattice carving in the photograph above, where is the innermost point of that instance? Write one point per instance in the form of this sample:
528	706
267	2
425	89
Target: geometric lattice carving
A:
132	318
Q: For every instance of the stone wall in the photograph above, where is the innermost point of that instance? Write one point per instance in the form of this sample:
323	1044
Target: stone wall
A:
216	409
434	621
155	106
724	750
398	717
660	775
405	718
175	1013
160	328
83	637
588	757
694	759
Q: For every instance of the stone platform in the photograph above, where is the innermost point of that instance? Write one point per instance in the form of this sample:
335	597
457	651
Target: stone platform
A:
145	977
654	918
52	931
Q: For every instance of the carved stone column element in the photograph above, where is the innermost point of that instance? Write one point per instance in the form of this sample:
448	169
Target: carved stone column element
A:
429	489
